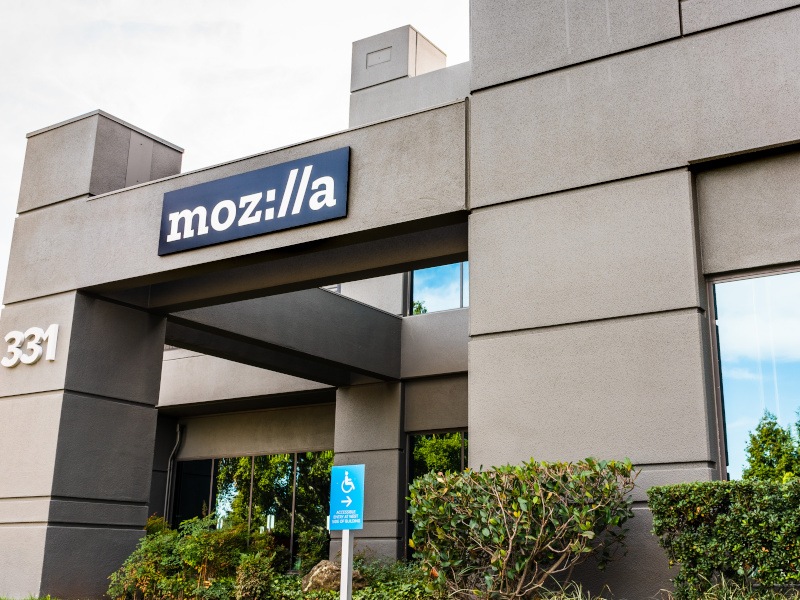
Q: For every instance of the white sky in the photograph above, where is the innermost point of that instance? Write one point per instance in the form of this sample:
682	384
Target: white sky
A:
222	79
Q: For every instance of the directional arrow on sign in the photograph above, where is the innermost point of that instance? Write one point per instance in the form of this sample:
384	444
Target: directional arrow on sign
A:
347	502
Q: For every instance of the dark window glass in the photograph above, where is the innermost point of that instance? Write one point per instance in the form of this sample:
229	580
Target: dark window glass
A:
312	539
758	328
192	489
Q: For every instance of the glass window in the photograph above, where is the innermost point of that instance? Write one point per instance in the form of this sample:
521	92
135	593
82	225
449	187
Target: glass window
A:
758	332
290	497
440	288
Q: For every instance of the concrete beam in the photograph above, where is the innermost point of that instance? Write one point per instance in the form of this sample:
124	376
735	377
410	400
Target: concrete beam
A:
314	334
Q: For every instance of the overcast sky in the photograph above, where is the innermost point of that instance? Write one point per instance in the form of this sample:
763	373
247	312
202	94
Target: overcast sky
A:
222	79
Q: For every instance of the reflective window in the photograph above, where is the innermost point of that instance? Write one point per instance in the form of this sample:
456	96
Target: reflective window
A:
440	288
758	329
286	494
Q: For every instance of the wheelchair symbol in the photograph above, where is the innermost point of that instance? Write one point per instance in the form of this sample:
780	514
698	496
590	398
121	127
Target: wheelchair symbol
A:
347	484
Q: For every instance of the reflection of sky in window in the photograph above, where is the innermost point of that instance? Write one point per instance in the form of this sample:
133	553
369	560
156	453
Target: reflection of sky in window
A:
759	340
440	287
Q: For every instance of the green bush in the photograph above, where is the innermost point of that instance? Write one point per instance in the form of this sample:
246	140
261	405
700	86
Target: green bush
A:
508	531
197	561
747	532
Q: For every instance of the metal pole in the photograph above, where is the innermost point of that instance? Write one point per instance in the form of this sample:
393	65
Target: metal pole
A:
291	522
346	583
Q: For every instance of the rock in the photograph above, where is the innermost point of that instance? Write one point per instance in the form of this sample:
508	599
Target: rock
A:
326	575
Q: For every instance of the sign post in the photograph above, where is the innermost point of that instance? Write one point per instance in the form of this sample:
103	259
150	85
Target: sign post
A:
347	513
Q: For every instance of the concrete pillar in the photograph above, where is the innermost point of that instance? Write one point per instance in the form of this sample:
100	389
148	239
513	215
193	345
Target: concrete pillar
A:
369	431
78	385
76	445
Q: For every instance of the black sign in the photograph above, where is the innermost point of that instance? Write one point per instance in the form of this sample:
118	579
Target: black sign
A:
292	194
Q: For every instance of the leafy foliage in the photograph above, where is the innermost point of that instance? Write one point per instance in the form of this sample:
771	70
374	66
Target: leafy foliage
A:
506	532
747	532
437	452
418	307
773	453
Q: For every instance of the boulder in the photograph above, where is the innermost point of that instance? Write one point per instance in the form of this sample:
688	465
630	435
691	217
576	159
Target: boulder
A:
326	576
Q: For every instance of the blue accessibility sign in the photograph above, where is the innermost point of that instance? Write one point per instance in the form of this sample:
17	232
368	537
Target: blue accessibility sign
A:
347	497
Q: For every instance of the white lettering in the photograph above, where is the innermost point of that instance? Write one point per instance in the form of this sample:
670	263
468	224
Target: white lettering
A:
287	193
301	193
35	336
188	231
228	205
269	213
325	196
249	217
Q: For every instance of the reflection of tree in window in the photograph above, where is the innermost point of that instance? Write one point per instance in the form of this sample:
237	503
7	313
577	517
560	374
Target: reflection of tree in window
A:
232	496
438	452
758	325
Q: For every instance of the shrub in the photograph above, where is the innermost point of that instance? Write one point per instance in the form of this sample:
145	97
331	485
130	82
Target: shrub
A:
254	577
747	532
508	531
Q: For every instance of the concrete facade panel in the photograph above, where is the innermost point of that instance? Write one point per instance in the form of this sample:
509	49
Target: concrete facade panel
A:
124	364
526	38
371	548
78	560
385	293
650	476
58	164
401	170
603	389
188	378
44	375
24	510
105	450
597	122
705	14
436	403
409	95
22	555
383	57
369	417
606	251
28	473
642	573
750	214
111	153
381	482
302	429
166	162
434	343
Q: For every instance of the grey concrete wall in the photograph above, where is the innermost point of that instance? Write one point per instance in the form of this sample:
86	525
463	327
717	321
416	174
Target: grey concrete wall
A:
749	214
409	95
91	155
369	431
401	171
190	378
434	343
436	403
526	38
77	452
697	15
385	293
301	429
606	251
646	110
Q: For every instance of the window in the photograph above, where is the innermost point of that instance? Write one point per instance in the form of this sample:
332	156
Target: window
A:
287	494
434	452
758	337
440	288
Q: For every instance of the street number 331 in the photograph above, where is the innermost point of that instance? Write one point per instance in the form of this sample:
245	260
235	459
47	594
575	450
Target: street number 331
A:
28	347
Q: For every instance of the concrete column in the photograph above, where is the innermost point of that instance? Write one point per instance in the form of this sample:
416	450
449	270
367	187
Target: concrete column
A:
76	445
78	395
369	431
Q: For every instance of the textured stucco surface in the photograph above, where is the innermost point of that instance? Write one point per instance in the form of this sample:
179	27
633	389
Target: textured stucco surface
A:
704	14
604	388
651	109
526	37
750	214
606	251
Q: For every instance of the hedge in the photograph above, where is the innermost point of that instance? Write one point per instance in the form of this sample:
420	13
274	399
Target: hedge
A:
747	532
